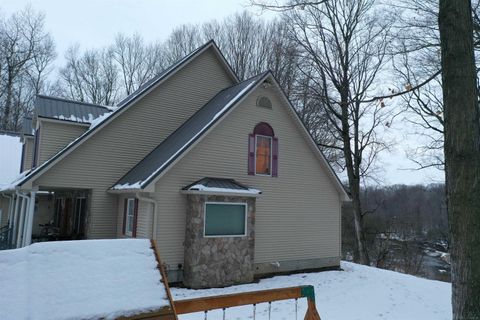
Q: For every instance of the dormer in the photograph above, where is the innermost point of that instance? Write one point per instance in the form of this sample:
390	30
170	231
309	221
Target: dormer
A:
56	123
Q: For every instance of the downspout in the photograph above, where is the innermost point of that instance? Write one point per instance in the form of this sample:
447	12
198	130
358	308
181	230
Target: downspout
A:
27	238
15	220
21	222
22	219
155	207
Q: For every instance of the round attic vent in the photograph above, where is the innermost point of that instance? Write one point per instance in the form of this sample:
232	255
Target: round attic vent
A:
264	102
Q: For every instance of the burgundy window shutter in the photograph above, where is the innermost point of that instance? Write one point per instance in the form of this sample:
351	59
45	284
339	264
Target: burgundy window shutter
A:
251	154
135	216
125	205
275	157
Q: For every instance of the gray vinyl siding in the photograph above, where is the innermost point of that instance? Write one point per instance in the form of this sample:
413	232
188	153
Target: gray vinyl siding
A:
298	214
28	156
54	136
107	155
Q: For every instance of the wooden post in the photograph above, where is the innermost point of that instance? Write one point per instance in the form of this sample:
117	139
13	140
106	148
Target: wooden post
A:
312	313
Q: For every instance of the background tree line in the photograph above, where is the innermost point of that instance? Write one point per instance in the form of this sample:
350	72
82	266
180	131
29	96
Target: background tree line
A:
401	223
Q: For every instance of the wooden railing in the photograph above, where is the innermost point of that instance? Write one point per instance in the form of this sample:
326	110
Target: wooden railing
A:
250	298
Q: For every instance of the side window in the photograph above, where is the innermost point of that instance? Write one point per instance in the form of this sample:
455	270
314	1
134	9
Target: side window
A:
225	219
130	217
263	151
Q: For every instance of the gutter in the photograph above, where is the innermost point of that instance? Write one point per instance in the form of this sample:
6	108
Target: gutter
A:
155	212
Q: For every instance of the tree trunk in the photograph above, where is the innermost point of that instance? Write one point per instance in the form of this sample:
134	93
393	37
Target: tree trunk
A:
354	185
8	104
462	154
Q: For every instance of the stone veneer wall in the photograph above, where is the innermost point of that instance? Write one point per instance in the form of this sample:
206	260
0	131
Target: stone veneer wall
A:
219	261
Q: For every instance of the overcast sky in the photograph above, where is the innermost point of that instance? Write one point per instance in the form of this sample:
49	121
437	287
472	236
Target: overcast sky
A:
94	23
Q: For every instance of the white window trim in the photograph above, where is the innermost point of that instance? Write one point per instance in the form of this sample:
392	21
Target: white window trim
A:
271	156
127	232
227	203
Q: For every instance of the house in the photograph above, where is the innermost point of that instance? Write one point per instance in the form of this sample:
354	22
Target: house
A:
221	172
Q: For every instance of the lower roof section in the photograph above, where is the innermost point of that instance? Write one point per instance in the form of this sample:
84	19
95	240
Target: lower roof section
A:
220	186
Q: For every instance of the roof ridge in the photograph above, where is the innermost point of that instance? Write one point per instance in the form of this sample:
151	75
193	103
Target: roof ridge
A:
72	101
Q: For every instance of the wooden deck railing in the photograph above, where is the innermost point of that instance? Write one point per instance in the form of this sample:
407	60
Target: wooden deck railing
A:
250	298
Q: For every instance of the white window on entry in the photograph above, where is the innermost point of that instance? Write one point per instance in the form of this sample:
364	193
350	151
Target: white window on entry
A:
223	219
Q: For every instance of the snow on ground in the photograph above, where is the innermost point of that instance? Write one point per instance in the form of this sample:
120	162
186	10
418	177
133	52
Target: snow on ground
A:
10	157
80	280
357	293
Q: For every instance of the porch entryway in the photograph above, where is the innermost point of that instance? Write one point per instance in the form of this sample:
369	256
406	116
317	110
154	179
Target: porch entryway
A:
44	215
61	216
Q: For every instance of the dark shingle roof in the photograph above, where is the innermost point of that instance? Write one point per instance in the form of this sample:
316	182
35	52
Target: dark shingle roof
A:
175	144
62	109
27	129
217	183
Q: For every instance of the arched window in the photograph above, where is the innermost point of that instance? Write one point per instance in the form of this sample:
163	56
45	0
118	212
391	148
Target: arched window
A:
263	151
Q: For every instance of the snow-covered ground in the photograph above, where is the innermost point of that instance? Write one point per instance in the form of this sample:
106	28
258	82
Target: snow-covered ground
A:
87	279
10	155
358	292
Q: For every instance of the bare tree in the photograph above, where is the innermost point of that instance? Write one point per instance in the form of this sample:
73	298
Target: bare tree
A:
26	51
137	61
89	77
462	153
418	58
346	45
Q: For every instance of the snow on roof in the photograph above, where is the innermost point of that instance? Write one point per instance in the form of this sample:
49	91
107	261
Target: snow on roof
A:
80	280
220	185
10	158
201	187
68	110
175	144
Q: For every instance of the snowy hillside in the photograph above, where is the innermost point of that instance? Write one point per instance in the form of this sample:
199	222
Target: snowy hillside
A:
358	292
10	155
